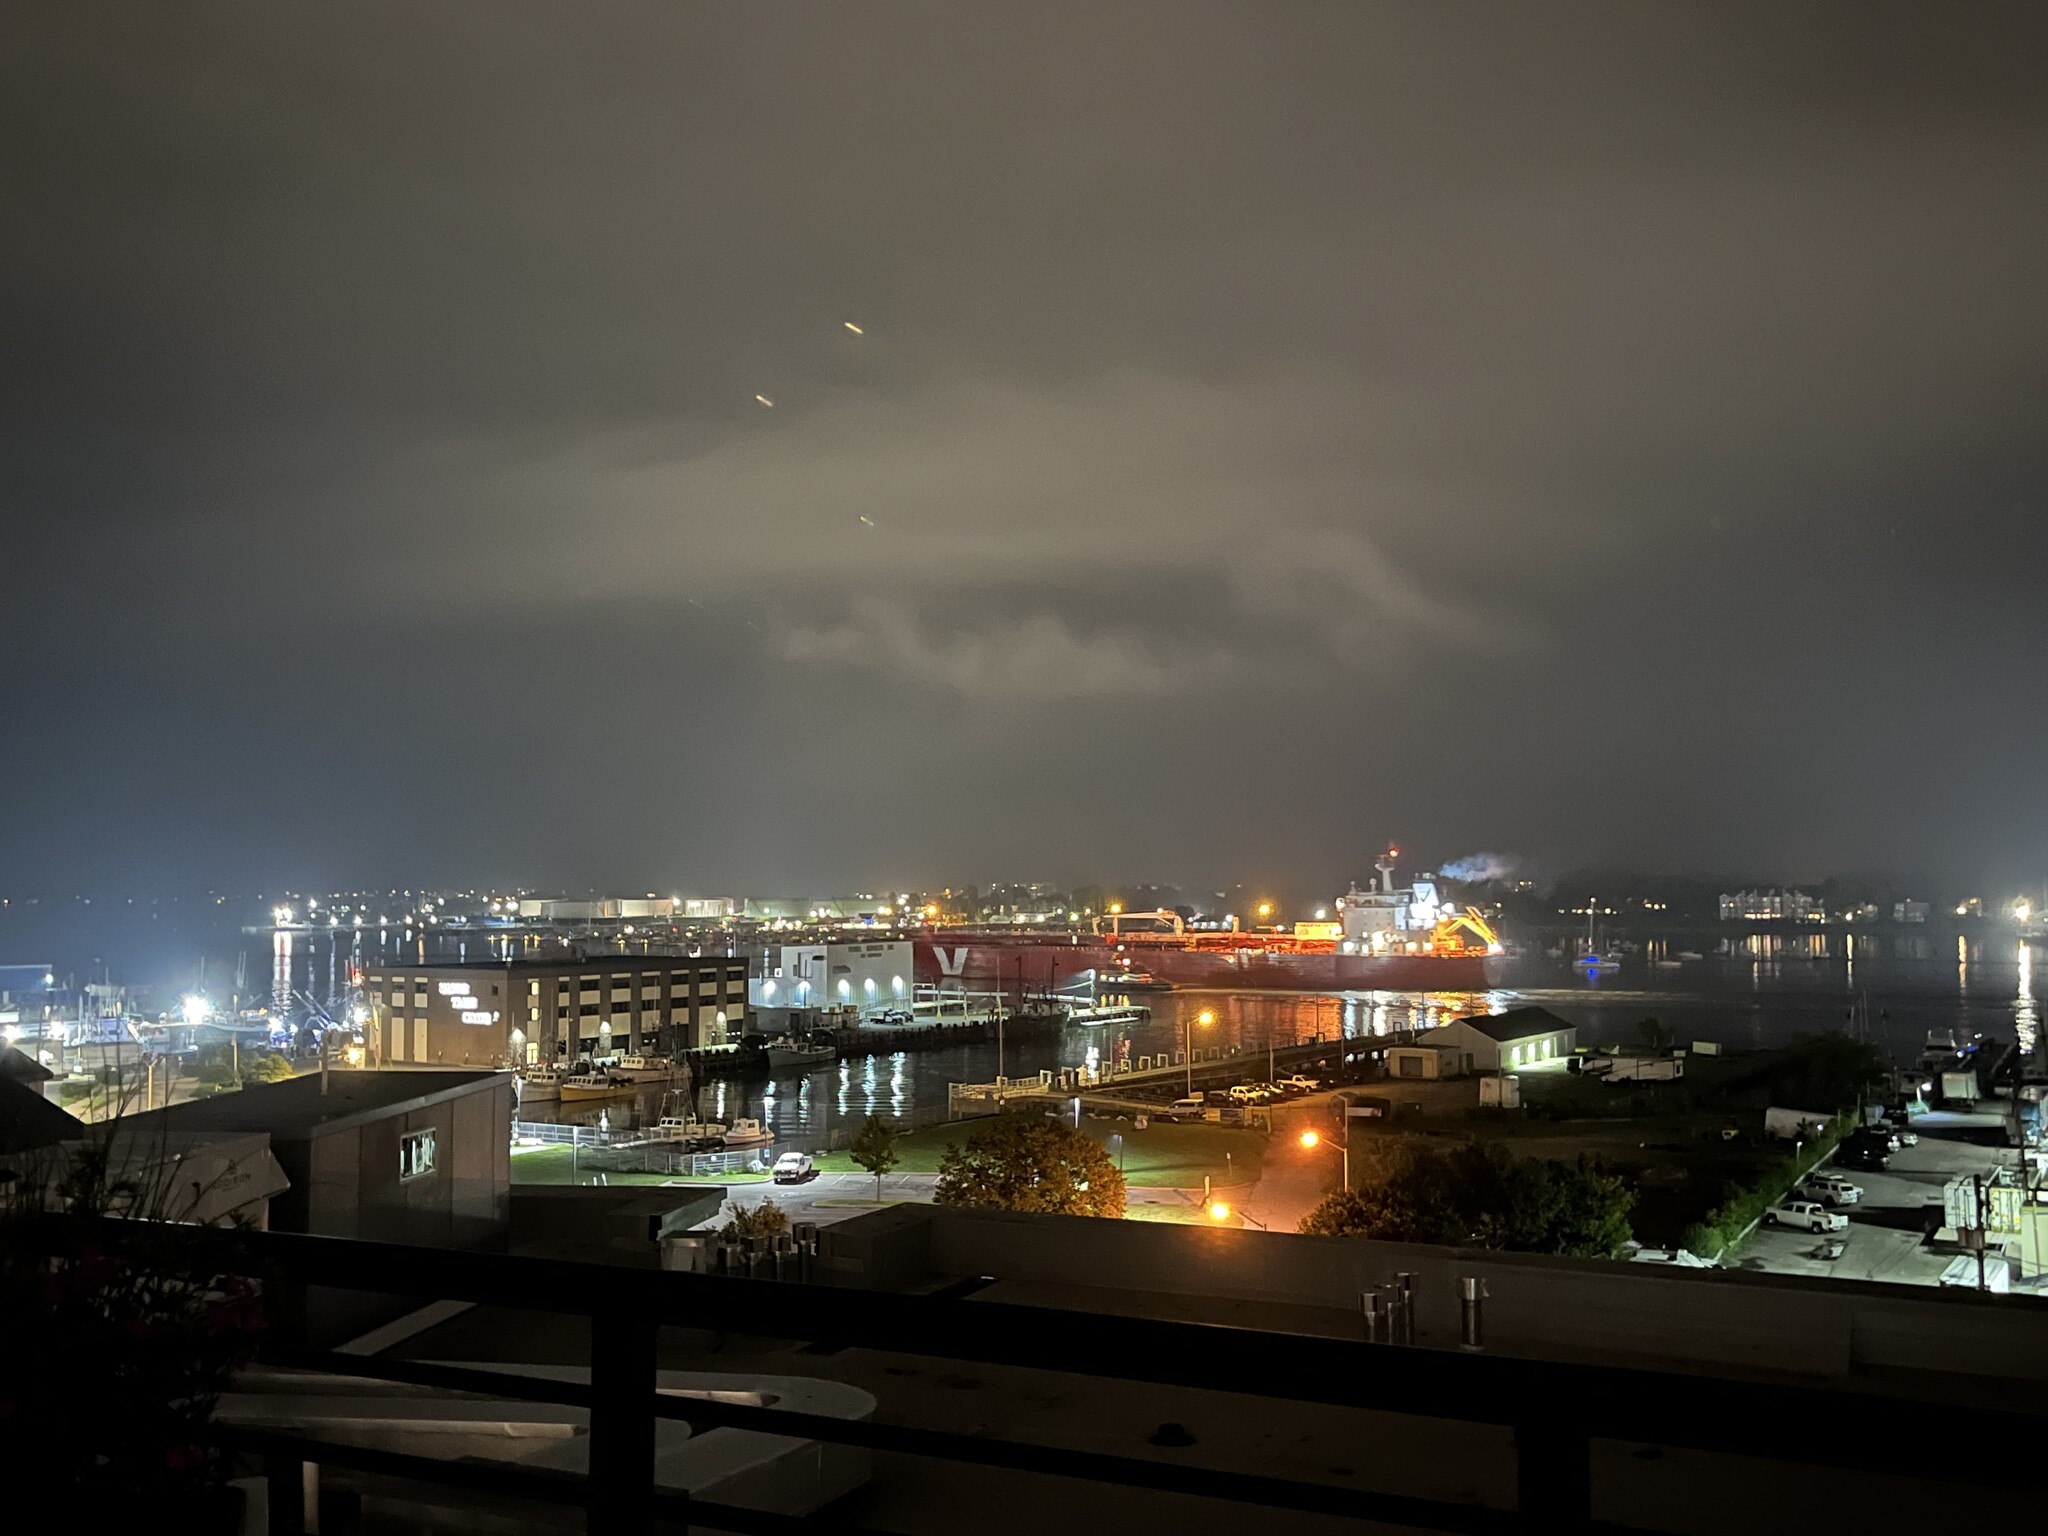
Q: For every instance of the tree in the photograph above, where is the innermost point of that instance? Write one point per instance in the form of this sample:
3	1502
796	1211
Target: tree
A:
764	1220
1019	1163
1653	1033
875	1149
1479	1195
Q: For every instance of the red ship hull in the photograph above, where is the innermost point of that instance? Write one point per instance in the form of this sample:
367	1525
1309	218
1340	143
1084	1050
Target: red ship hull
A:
1029	965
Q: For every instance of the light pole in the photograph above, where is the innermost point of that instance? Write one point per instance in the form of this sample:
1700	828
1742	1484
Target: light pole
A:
1313	1139
1205	1018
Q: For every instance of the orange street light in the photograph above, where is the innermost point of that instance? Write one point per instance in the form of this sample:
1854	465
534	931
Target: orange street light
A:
1310	1140
1205	1018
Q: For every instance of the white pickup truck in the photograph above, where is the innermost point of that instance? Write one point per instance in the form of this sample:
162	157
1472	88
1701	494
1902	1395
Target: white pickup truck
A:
1809	1214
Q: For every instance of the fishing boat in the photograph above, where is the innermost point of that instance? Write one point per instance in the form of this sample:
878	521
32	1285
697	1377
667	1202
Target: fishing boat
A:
585	1087
643	1069
686	1128
787	1054
1690	955
744	1133
539	1083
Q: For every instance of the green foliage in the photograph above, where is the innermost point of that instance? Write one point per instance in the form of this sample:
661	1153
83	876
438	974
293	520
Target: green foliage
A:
1653	1034
764	1220
1479	1195
1741	1208
71	1093
268	1068
875	1149
1026	1163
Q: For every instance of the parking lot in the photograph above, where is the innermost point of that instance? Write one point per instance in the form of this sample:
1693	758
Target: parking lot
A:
1887	1237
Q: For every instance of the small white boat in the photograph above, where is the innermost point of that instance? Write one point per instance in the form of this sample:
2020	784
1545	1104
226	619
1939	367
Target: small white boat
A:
586	1086
1597	965
744	1133
1669	965
643	1069
538	1083
1690	954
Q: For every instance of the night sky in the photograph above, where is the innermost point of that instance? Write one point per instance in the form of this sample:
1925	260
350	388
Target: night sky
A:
1609	432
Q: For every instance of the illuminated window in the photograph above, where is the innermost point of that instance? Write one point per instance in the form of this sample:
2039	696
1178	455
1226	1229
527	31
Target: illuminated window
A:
415	1155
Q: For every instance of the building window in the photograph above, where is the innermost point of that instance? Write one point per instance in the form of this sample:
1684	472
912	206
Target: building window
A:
415	1155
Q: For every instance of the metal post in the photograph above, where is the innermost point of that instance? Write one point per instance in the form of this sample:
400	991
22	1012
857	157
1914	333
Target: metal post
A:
1982	1226
1471	1294
1372	1308
621	1478
1404	1290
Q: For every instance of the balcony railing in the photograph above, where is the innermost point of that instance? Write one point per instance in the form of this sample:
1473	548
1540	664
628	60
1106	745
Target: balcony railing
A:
1556	1411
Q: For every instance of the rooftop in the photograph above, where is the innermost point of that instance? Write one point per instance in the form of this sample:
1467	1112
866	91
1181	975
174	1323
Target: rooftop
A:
569	967
1516	1024
297	1108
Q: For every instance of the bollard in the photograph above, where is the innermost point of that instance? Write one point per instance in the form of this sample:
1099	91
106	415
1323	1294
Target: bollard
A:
1471	1293
1404	1307
1372	1306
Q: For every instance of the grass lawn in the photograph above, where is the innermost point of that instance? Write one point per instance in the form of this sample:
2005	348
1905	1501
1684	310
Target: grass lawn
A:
551	1165
1161	1156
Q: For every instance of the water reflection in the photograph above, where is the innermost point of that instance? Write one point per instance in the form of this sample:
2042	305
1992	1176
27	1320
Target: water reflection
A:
2026	1016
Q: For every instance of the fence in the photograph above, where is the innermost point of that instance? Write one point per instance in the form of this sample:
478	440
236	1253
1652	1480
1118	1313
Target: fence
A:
1556	1411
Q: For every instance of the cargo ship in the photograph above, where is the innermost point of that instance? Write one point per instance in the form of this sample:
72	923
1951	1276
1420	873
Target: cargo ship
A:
1385	938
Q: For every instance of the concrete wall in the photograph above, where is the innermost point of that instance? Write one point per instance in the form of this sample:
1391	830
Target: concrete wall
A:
1541	1307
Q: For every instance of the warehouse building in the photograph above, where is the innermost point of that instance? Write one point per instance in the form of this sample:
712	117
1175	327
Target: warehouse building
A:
1503	1042
523	1012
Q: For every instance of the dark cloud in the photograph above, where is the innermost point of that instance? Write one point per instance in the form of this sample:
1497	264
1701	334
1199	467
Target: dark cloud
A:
1601	431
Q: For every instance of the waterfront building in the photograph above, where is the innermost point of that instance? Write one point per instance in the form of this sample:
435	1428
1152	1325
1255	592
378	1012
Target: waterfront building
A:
1495	1042
522	1012
1773	906
867	977
1909	912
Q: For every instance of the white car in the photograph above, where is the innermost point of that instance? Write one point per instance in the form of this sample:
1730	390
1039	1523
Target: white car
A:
1808	1214
1249	1093
793	1168
1830	1189
1193	1107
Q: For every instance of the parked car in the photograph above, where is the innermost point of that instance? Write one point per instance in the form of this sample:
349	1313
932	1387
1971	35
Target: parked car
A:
1863	1158
1883	1137
1828	1189
794	1168
1247	1093
1298	1083
1190	1108
896	1016
1809	1214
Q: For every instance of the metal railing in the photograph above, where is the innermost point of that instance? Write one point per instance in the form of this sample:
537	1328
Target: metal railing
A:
1556	1411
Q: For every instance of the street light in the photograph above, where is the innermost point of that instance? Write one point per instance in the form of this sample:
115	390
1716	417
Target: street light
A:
1205	1018
1310	1140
